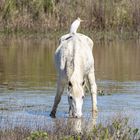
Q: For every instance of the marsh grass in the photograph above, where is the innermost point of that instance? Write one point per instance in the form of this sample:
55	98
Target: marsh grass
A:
117	128
44	16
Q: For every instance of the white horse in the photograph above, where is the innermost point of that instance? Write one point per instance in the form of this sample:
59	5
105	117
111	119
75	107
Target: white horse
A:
75	63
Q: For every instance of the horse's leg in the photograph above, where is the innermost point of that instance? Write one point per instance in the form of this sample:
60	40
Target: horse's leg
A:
60	89
93	88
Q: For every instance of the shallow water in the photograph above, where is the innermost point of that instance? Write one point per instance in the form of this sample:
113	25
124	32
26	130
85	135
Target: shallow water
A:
28	82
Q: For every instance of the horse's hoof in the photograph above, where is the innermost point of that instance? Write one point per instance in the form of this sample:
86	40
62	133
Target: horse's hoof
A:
52	115
95	111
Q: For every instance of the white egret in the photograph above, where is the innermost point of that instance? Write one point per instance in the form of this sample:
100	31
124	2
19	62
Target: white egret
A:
75	25
73	30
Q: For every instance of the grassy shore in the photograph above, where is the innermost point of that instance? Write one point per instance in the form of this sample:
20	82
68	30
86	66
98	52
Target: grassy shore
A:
103	17
117	129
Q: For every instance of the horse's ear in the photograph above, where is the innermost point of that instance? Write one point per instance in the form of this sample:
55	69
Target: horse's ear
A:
83	83
70	84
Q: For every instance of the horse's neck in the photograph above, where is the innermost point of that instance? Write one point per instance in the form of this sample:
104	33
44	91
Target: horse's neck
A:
77	75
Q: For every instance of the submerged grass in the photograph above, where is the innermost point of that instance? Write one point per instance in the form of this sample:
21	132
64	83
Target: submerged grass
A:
117	129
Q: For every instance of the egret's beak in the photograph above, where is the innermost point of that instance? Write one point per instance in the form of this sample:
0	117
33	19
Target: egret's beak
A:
82	20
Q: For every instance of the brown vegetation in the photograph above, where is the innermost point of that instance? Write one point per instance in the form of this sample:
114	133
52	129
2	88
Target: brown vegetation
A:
118	129
54	15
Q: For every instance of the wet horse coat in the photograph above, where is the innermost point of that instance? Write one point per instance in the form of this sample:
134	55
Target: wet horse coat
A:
75	63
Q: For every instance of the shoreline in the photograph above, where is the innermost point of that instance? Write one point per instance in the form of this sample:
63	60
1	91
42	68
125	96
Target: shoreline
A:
95	35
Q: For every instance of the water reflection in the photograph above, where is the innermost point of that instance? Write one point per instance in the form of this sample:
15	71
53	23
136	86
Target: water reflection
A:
118	60
75	125
28	62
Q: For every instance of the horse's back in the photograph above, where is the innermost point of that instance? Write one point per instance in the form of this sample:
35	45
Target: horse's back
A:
74	49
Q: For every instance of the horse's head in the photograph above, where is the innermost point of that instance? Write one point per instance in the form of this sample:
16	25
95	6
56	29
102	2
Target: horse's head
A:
75	98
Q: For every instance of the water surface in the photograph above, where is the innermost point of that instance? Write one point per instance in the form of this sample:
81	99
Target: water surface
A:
28	81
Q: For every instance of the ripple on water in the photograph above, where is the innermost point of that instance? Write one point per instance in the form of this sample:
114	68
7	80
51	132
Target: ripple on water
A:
28	106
